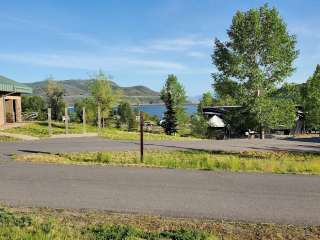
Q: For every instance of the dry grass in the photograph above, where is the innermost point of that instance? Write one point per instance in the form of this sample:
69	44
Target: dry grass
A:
8	139
41	130
73	222
270	162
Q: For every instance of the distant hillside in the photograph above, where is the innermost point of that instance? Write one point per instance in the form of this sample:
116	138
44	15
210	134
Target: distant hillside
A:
76	89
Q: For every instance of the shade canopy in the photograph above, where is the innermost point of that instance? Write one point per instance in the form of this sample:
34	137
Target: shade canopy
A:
216	122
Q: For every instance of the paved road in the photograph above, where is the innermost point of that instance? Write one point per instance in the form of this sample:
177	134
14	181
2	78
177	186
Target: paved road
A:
98	144
291	199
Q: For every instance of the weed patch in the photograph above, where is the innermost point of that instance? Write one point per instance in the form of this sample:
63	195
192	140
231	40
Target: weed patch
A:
271	162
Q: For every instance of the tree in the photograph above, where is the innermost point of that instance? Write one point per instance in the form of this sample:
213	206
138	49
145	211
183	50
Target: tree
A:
34	104
312	100
132	122
124	111
103	93
257	57
206	101
54	95
199	126
174	97
91	109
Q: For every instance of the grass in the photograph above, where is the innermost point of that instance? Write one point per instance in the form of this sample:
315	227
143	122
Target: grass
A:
46	223
41	130
8	139
40	226
268	162
116	134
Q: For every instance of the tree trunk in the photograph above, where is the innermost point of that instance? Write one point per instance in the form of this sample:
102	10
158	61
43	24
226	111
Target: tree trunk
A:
262	133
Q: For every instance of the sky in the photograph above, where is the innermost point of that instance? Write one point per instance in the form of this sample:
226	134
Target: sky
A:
136	42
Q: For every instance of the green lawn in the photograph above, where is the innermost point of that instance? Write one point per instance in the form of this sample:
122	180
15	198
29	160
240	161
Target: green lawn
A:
269	162
46	223
41	130
116	134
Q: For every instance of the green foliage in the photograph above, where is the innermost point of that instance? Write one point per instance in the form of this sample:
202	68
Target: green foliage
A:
274	113
103	157
91	109
124	111
54	95
174	97
119	232
206	101
34	104
103	94
132	123
75	88
199	126
290	91
257	57
9	219
41	129
312	100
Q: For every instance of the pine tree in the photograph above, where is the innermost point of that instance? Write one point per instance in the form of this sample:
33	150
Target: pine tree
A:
174	97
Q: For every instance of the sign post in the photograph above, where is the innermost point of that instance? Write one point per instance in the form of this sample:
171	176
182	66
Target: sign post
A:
141	136
99	118
84	119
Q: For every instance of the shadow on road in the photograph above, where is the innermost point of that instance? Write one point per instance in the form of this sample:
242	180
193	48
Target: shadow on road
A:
33	151
311	139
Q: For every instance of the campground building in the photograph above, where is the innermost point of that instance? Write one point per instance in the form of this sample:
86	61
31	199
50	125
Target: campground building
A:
10	100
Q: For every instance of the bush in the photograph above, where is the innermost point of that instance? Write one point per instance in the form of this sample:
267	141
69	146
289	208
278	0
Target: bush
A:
199	126
9	219
103	157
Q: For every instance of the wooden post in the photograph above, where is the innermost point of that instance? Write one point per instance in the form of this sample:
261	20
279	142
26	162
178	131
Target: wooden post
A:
99	118
141	136
49	122
66	120
84	119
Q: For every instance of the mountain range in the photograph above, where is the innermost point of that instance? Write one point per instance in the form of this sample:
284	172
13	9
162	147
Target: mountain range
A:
76	89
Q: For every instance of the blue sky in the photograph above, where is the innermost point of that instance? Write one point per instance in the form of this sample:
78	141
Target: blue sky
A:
135	42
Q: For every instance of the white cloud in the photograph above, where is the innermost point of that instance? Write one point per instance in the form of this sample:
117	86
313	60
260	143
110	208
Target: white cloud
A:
179	44
91	62
198	54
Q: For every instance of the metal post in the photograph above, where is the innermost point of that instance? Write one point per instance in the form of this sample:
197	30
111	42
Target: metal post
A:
4	112
66	120
141	136
99	118
84	119
49	122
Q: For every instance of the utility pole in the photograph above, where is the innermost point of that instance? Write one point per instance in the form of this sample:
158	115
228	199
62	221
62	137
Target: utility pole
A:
141	136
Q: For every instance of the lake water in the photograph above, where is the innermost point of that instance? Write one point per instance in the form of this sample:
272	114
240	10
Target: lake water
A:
158	110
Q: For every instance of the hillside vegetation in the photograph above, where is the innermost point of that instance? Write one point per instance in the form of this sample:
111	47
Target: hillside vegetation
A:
77	88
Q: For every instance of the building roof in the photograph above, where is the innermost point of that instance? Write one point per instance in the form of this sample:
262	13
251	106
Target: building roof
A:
8	85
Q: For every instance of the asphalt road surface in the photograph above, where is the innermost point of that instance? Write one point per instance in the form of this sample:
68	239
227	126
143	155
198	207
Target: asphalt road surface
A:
292	199
99	144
